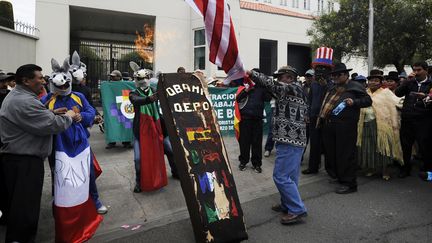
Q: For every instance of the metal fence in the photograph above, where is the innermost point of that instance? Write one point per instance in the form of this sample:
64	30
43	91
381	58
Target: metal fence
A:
22	27
102	58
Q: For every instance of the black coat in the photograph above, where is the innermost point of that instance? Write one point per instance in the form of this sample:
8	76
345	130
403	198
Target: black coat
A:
254	107
414	108
358	94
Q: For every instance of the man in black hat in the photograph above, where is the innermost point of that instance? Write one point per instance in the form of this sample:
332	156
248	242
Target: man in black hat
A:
338	117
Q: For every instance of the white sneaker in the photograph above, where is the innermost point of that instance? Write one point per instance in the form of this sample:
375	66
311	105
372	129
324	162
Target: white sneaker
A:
102	210
266	153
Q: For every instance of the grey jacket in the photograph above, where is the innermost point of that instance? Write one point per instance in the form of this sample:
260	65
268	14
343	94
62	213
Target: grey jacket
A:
27	126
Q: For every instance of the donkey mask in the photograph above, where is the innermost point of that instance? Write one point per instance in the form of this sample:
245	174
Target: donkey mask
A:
141	76
77	69
60	78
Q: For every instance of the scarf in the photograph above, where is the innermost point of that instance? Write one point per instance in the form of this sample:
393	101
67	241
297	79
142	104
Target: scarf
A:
388	123
329	104
149	109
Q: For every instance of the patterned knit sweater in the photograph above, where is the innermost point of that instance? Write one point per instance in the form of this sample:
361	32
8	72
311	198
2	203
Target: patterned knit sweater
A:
289	124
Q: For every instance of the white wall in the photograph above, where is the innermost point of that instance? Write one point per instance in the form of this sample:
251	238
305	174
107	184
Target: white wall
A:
283	29
52	19
16	49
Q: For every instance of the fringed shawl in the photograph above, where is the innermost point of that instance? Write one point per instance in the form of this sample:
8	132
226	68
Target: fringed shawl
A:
388	123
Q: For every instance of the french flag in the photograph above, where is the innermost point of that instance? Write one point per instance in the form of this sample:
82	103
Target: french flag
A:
76	218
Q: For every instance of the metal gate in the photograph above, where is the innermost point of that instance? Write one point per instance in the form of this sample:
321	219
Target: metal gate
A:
102	58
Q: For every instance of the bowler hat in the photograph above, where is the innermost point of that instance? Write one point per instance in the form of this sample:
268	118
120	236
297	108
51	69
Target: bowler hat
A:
393	76
376	73
285	69
340	68
4	76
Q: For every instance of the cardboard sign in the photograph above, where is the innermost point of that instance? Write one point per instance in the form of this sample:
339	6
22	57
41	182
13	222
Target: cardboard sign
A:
200	156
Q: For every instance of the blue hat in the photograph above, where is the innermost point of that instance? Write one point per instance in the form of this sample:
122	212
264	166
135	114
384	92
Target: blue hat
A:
360	78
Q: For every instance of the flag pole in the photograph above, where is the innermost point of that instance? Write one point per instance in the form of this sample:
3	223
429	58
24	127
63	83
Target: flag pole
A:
371	36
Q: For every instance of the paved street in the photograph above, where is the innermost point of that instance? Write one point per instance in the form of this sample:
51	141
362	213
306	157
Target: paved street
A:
394	211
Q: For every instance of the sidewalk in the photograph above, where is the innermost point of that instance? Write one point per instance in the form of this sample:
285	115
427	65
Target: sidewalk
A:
150	210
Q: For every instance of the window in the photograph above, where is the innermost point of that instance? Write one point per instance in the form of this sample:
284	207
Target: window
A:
306	4
330	6
199	49
283	2
295	3
320	5
267	1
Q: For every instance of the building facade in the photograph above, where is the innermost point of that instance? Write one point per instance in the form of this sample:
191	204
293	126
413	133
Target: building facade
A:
270	33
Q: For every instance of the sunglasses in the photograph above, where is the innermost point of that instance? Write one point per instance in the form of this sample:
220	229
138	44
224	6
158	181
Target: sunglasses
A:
336	75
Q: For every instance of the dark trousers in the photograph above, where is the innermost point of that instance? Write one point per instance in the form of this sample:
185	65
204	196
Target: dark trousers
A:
315	145
24	180
251	133
421	131
4	207
340	151
269	145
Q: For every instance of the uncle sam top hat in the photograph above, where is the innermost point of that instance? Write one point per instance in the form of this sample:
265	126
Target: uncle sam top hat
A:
324	57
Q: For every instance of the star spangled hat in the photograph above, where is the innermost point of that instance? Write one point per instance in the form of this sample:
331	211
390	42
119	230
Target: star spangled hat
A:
324	56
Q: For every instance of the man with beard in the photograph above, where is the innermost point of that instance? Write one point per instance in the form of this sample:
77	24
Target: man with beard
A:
322	65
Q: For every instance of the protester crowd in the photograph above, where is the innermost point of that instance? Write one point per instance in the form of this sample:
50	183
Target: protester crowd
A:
356	123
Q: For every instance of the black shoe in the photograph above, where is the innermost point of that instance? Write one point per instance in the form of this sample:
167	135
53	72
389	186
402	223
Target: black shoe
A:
242	167
346	189
308	172
288	218
110	146
278	208
425	175
127	145
257	169
404	174
137	189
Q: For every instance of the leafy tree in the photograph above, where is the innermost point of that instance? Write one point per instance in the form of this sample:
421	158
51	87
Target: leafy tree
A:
402	31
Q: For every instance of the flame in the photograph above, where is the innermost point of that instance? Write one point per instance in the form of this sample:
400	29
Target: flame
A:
144	44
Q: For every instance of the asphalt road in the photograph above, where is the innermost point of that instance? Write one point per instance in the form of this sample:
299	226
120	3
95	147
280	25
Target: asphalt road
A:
399	210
